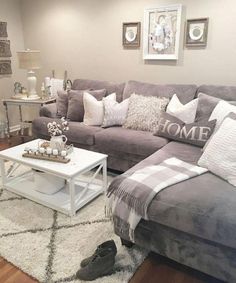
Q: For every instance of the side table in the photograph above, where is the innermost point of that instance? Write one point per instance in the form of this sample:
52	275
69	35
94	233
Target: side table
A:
20	103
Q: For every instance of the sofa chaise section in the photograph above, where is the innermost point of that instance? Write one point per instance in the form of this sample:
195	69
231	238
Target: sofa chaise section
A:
192	222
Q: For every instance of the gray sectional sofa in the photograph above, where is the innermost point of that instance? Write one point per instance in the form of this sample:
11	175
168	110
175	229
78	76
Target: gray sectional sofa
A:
192	222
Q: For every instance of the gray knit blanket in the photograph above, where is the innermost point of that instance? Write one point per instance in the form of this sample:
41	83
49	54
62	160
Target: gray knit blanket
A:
130	194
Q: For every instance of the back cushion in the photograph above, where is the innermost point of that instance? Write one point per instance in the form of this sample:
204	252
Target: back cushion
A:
185	93
83	84
223	92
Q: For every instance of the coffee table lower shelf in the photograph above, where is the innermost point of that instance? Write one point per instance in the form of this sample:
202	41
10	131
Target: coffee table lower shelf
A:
60	201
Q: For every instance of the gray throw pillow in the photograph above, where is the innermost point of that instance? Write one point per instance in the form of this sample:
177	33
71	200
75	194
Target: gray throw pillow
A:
76	105
206	105
196	133
143	113
62	103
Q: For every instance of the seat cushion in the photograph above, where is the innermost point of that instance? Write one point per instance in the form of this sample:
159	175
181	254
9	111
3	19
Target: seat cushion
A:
203	206
78	132
116	139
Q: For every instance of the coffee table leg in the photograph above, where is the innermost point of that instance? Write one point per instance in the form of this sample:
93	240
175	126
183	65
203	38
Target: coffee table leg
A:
104	173
72	196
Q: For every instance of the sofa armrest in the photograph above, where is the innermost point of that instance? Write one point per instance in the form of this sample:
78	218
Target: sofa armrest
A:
49	110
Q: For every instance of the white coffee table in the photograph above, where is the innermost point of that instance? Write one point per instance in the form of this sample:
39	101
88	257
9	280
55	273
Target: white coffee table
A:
76	192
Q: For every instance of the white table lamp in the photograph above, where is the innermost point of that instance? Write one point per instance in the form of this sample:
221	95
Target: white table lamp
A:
30	60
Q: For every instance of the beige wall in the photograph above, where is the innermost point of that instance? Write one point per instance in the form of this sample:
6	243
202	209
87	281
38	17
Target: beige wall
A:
10	13
85	38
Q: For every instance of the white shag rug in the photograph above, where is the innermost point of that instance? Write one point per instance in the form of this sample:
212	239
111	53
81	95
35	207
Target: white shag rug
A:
49	246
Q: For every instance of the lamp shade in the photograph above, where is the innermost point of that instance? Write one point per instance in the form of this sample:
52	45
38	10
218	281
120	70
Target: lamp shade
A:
29	59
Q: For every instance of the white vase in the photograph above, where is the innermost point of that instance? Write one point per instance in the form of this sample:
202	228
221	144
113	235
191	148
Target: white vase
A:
58	142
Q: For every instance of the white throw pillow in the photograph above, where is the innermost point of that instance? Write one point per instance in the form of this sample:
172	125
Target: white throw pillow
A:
185	112
115	113
221	110
220	154
94	109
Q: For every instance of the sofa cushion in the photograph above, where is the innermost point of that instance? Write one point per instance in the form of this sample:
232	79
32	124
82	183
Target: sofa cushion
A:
76	105
196	133
203	206
185	112
62	103
144	112
220	154
116	139
185	92
223	92
78	132
114	112
94	109
83	84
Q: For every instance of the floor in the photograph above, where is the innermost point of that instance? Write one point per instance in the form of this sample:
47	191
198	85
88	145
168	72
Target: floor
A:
155	269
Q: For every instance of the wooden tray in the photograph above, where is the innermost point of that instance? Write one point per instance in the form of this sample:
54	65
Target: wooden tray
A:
59	159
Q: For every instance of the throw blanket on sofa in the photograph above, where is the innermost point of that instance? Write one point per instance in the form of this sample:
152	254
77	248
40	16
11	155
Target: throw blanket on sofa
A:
131	193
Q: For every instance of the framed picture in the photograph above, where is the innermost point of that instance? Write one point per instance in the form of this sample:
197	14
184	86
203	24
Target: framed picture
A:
162	32
196	32
3	29
131	34
5	67
5	50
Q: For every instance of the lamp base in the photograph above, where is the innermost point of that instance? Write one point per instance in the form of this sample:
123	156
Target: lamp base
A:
32	81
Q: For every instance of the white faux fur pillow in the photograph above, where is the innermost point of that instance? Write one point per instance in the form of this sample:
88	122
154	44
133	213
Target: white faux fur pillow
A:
94	109
185	112
220	154
144	112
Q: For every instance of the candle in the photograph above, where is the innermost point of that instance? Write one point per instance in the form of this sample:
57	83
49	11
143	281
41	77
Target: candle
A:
27	149
49	150
55	152
63	153
41	150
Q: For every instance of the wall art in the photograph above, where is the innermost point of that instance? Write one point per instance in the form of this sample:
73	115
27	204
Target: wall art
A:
162	32
131	34
3	29
5	67
196	32
5	50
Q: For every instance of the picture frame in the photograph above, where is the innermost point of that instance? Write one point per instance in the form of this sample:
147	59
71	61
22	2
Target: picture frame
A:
5	50
196	32
3	29
131	34
161	36
5	67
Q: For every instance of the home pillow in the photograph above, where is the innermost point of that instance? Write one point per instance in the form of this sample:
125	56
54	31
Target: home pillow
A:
62	103
143	113
75	103
173	128
94	109
185	112
114	112
220	154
